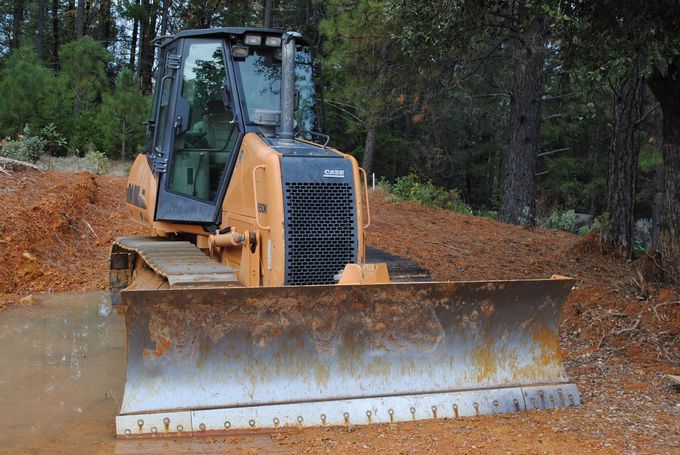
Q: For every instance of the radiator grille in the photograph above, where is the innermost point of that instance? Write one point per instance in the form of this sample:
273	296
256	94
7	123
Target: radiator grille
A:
320	231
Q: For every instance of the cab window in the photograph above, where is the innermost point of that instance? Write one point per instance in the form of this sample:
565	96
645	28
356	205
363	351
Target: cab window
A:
206	138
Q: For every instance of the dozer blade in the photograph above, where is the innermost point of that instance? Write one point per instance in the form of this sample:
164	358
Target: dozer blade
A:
245	359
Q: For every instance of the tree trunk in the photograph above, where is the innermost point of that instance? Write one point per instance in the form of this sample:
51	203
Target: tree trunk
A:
106	34
165	11
518	205
245	12
146	54
41	19
657	207
122	149
70	22
18	8
369	149
164	7
623	160
133	41
267	13
665	84
80	19
55	34
670	219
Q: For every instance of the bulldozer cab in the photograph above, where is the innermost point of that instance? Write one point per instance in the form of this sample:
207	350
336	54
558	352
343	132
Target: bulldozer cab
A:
212	87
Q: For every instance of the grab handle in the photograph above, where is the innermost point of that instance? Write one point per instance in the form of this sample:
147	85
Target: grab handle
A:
368	209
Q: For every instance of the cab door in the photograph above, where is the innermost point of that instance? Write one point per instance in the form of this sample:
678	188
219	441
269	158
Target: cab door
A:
197	134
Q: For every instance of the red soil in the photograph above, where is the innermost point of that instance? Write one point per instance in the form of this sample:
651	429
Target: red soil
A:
619	330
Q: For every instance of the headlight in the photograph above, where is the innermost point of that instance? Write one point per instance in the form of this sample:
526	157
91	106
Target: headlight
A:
252	40
239	52
273	41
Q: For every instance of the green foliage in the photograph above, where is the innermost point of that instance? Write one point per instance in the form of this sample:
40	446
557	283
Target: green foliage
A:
640	247
54	141
561	220
650	158
602	224
97	161
82	80
526	219
487	214
24	85
86	132
434	77
25	148
14	149
121	115
364	75
83	72
412	188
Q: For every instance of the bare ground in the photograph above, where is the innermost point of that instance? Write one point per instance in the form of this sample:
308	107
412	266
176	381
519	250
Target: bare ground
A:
619	329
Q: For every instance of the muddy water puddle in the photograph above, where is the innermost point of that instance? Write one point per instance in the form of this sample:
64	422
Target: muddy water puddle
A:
62	370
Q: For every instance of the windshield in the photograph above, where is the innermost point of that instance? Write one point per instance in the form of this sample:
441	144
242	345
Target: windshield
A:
260	81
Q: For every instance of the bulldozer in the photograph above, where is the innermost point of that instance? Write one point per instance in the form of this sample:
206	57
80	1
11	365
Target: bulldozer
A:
255	303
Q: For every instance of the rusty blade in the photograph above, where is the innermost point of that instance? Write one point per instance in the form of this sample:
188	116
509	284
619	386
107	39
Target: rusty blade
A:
194	349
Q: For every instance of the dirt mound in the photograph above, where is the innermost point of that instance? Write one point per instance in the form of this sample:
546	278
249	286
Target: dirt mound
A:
589	245
454	246
55	230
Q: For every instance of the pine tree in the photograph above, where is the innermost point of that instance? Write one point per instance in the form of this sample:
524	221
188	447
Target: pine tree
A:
24	84
122	113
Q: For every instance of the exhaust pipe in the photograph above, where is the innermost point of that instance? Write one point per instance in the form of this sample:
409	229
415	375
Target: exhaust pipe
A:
288	85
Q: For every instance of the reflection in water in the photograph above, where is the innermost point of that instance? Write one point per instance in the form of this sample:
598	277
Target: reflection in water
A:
62	368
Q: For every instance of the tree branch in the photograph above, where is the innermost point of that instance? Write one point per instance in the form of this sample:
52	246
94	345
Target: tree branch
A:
563	149
652	109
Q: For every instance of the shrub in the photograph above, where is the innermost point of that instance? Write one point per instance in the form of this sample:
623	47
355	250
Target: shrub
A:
411	188
526	219
54	141
15	150
562	221
25	148
97	161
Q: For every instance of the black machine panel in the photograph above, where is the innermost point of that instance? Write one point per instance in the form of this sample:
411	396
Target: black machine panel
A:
319	218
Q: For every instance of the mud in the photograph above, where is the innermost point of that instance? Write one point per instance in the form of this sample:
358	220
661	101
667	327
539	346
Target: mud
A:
61	382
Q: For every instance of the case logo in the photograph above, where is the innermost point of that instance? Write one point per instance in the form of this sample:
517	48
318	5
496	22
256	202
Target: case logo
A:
334	173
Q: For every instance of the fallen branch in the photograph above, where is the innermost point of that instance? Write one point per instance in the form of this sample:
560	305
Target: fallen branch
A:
462	250
629	329
11	163
664	318
89	226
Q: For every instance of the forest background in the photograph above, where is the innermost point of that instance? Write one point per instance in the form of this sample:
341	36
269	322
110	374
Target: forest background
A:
528	111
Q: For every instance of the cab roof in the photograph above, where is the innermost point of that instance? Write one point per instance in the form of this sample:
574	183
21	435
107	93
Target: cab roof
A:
221	31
